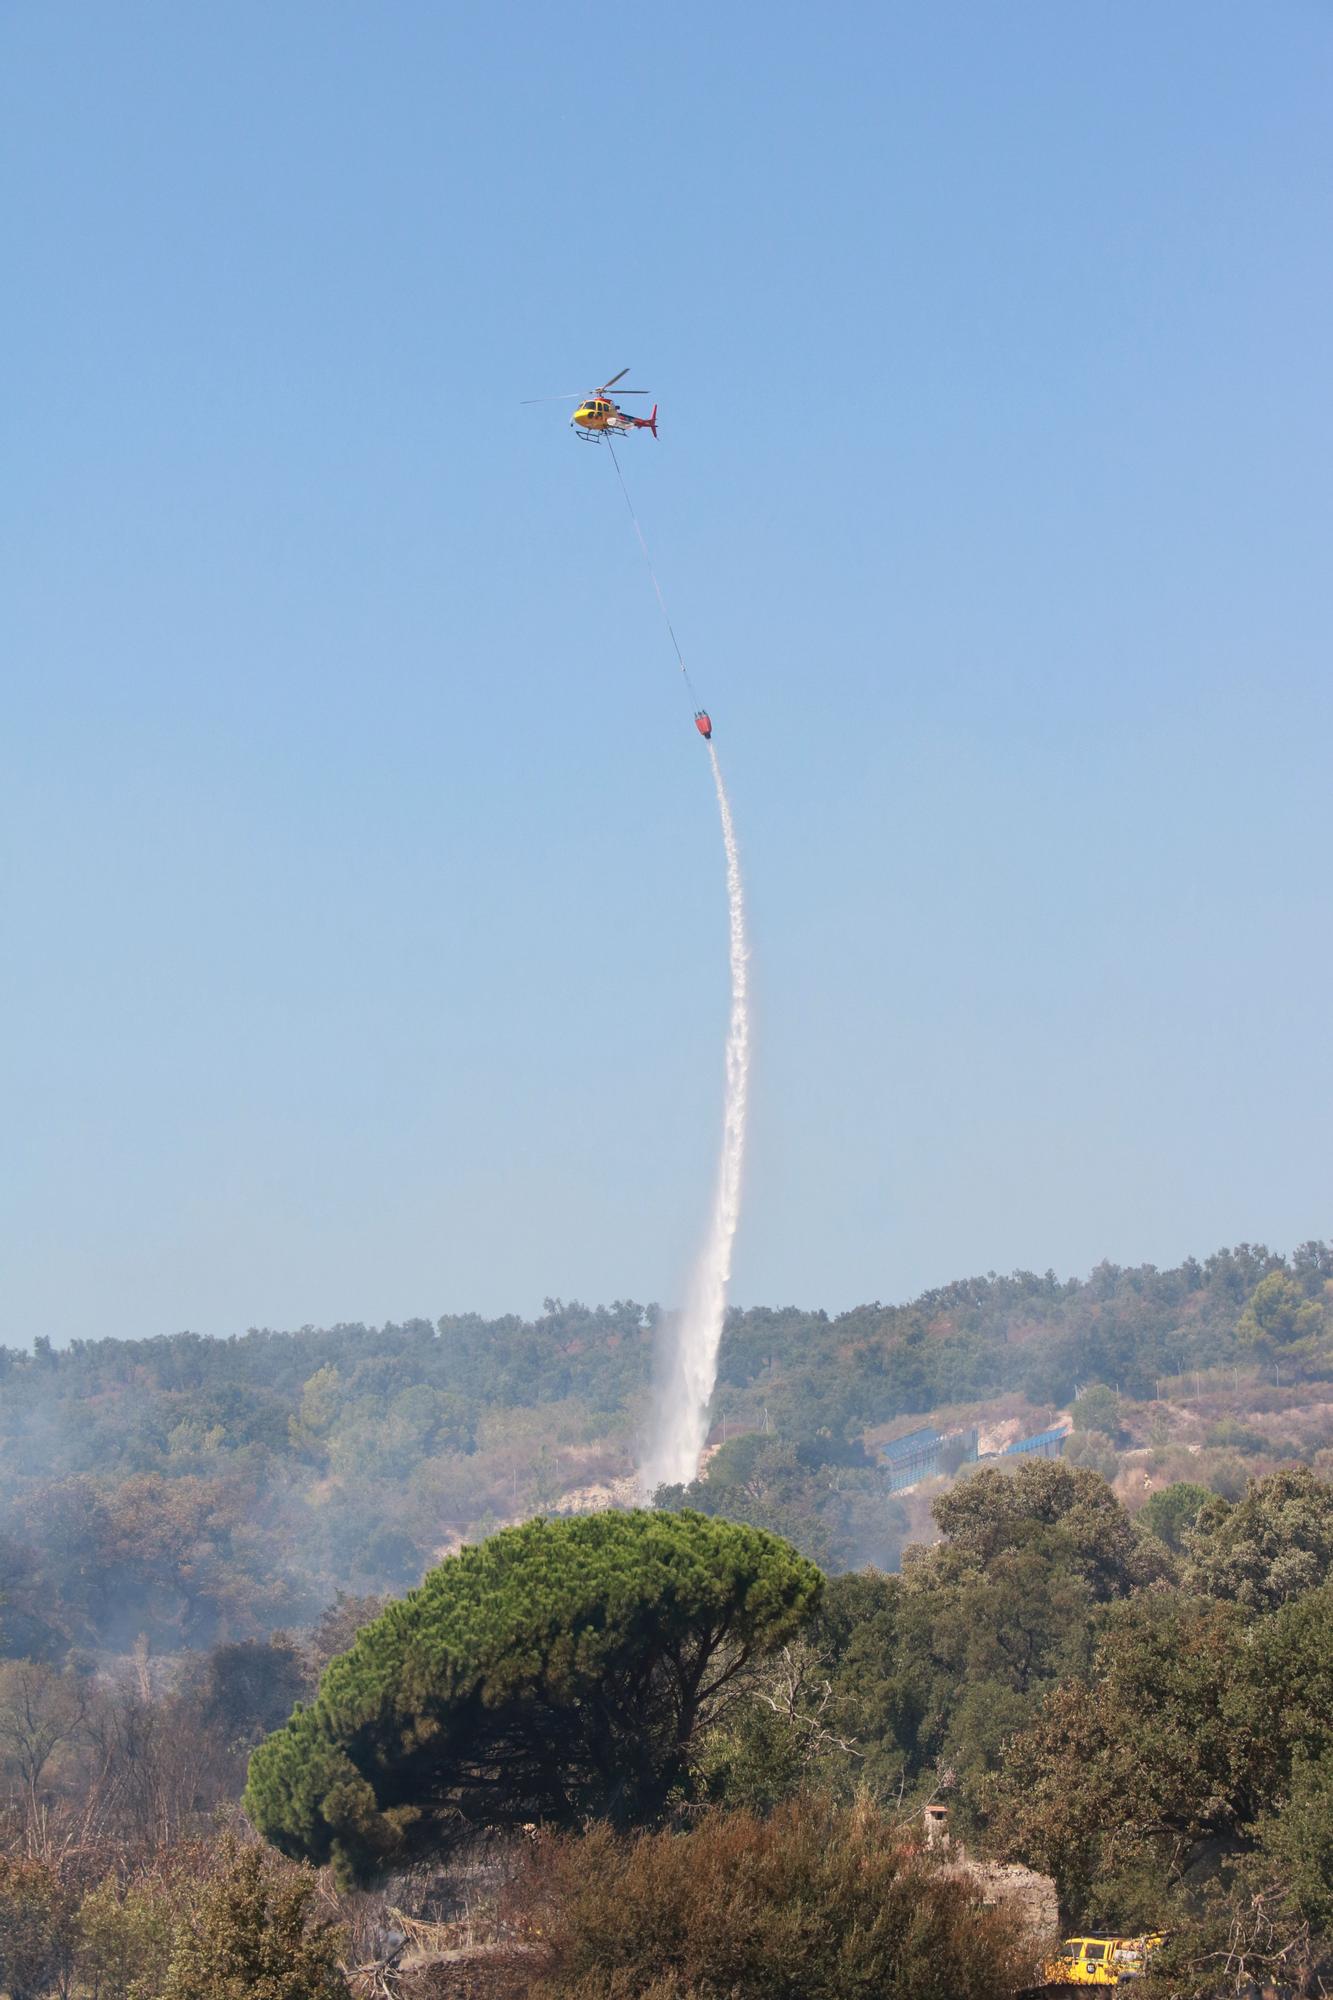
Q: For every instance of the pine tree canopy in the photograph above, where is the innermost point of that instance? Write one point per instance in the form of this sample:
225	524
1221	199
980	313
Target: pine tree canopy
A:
554	1673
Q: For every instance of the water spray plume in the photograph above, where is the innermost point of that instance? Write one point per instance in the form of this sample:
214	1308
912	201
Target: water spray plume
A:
680	1416
688	1360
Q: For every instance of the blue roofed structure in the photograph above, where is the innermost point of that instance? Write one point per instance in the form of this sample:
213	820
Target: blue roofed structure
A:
907	1459
904	1447
921	1453
1042	1444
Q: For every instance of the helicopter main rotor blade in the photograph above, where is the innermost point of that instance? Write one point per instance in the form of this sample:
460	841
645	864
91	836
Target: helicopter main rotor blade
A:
583	396
617	378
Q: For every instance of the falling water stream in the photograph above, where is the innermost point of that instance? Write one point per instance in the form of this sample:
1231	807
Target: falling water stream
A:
688	1363
687	1359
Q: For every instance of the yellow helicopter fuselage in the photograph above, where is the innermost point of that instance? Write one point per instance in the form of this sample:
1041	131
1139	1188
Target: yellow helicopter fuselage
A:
598	414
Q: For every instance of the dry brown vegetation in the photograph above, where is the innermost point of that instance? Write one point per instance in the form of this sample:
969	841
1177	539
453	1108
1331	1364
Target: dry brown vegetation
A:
814	1899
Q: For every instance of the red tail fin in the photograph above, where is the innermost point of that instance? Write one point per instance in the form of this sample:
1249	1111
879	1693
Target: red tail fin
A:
652	421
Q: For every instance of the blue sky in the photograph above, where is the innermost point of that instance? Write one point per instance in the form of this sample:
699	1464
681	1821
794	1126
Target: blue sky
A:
364	932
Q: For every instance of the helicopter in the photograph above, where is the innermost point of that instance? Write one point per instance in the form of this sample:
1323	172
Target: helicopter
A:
597	416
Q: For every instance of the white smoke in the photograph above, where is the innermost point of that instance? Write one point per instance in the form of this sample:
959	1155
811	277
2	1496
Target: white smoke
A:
689	1366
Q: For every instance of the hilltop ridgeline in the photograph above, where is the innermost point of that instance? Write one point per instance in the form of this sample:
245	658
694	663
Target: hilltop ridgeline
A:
186	1491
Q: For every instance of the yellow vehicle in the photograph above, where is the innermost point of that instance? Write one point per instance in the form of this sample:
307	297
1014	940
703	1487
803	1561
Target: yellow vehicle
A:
1100	1961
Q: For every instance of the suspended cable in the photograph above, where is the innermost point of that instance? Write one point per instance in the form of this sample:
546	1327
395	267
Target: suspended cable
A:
666	615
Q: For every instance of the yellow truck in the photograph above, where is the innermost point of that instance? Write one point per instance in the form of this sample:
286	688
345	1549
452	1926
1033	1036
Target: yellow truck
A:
1100	1961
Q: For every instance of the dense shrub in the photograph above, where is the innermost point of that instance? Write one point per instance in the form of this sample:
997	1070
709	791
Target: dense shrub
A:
124	1940
256	1934
811	1901
37	1928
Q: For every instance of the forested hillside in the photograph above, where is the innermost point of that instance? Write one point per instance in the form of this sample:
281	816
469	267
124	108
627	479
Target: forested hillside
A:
192	1530
180	1492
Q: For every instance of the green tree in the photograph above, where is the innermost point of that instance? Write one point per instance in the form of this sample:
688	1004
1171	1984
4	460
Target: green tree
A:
1269	1547
1172	1512
26	1631
1127	1772
41	1712
1197	1729
251	1688
823	1495
1290	1660
1066	1511
762	1480
124	1942
558	1671
889	1697
1296	1841
1093	1450
1278	1314
1097	1409
934	1670
254	1935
